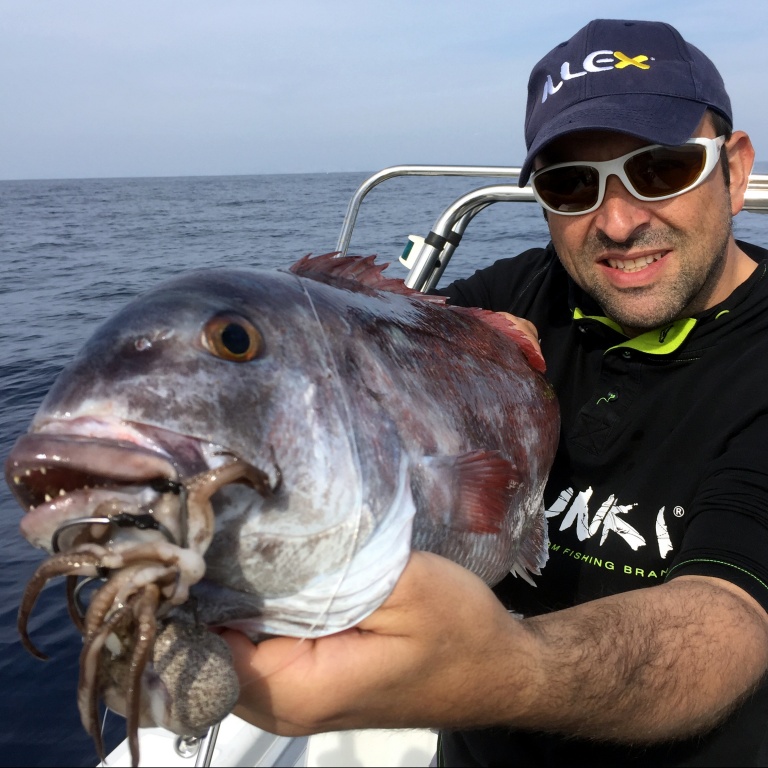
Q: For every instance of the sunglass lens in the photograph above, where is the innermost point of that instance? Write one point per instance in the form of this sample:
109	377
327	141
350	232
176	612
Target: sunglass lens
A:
666	170
570	190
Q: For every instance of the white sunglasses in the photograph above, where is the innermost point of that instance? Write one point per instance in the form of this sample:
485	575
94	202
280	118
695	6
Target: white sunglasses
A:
652	173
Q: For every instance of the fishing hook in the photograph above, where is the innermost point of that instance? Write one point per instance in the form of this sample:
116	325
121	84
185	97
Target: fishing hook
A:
143	522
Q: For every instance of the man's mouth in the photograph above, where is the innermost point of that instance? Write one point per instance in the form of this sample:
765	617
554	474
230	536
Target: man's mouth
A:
633	265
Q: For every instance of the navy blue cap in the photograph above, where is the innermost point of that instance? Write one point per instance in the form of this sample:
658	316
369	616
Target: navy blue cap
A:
635	77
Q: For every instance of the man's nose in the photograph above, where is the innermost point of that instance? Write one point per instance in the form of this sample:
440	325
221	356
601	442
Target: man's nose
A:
621	214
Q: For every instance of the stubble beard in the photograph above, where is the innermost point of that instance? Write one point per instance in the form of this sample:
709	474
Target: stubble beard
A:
638	310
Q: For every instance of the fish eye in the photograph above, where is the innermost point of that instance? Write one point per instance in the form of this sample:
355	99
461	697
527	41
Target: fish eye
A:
232	337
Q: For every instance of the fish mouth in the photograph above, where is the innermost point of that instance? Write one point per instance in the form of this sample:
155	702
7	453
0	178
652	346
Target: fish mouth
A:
43	467
71	473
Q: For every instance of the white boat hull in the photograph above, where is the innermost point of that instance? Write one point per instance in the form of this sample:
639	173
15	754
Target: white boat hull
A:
241	744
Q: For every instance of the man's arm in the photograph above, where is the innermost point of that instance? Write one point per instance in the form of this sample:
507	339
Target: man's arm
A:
640	667
653	664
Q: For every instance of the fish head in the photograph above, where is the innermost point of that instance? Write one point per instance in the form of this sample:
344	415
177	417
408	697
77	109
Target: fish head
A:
200	356
207	414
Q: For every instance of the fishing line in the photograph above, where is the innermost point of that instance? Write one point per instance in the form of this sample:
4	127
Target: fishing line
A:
332	366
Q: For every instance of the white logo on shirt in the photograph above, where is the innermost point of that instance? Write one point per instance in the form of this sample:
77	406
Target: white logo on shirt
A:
610	516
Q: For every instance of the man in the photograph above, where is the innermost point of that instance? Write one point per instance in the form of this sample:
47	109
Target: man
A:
646	637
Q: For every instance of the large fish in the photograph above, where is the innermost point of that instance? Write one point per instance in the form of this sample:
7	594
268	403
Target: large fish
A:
262	450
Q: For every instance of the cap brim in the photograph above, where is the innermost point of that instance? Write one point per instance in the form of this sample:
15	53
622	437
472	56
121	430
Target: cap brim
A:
656	119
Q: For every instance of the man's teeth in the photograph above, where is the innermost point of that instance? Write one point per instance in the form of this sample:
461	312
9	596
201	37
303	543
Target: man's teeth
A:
633	265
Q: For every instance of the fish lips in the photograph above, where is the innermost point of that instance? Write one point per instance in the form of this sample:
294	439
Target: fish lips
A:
56	476
43	465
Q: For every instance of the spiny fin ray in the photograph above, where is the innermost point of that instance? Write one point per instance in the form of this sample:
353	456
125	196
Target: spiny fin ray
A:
355	273
361	273
534	550
502	324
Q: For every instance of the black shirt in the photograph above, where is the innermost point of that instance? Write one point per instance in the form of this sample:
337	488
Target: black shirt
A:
662	470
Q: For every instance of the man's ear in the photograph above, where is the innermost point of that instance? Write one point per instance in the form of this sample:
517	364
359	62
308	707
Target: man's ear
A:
741	158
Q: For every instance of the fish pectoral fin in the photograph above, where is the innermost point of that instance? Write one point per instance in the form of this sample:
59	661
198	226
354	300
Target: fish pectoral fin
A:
484	484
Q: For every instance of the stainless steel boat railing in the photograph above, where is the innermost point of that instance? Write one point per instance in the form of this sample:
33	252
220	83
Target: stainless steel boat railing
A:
428	259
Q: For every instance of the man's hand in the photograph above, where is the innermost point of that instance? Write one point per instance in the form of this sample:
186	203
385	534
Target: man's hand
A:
403	666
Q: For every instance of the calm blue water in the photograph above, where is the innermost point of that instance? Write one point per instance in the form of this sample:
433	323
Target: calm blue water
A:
73	252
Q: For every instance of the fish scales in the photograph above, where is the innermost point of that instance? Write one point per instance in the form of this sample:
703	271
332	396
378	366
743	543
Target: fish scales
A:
273	445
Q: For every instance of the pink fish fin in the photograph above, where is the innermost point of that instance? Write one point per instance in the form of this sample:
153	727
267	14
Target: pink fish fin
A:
484	483
534	551
354	273
501	324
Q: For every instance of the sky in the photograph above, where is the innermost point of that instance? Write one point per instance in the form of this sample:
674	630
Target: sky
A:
102	88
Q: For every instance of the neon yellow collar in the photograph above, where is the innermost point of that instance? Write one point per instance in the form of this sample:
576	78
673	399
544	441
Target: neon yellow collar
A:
660	341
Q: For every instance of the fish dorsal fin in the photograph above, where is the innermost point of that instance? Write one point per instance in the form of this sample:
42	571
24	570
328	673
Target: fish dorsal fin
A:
361	273
356	273
502	324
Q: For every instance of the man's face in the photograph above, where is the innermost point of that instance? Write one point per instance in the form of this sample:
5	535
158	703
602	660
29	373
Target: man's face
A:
646	264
